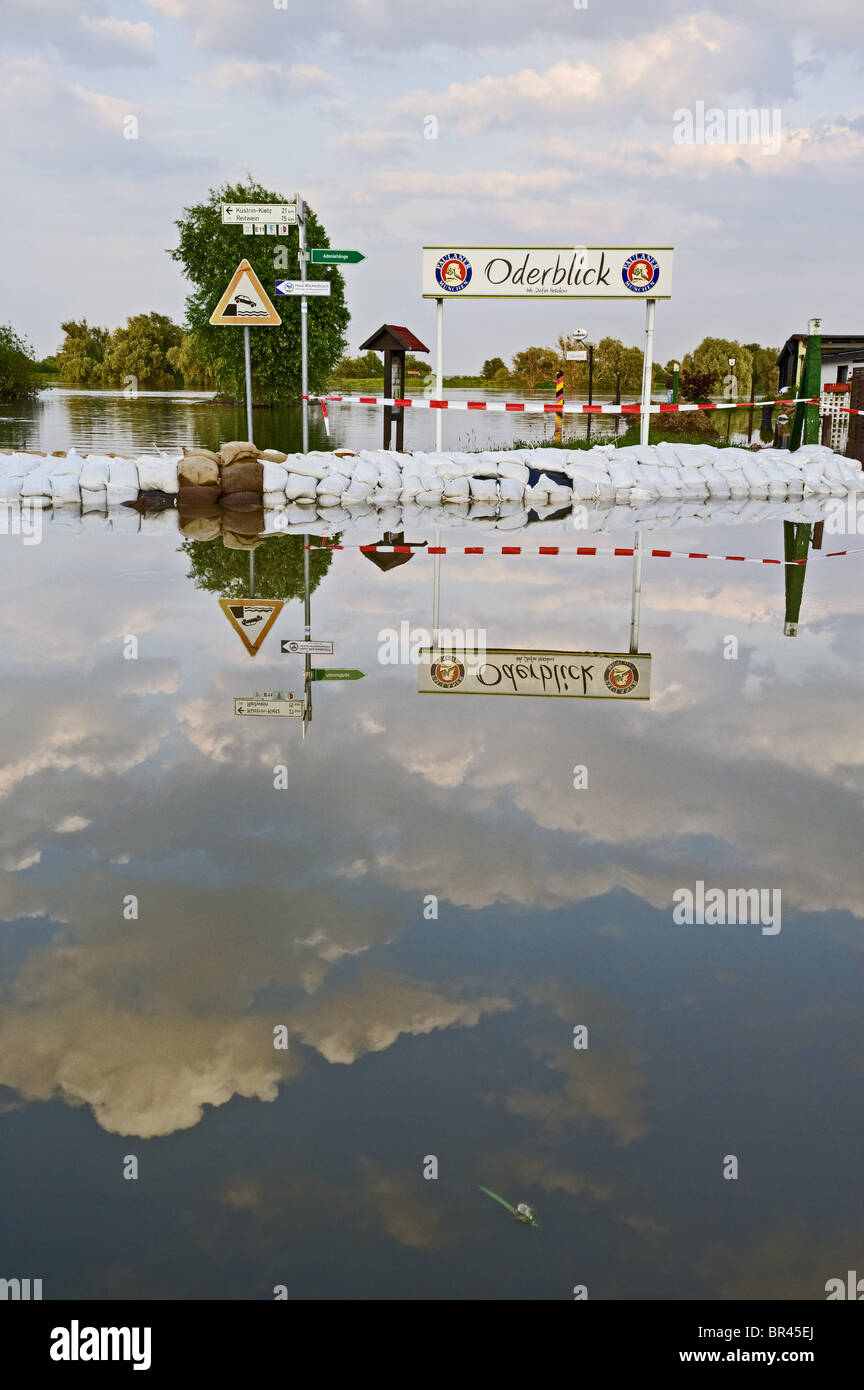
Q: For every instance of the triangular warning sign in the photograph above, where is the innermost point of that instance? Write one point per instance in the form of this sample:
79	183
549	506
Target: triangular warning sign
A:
252	618
245	302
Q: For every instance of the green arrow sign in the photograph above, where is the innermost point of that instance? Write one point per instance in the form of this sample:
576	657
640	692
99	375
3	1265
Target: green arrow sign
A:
322	255
322	673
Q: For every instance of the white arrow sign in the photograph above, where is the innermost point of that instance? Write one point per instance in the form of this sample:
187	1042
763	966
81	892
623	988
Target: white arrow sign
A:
300	287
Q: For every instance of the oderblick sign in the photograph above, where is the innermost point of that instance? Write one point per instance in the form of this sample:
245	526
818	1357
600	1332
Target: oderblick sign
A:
534	272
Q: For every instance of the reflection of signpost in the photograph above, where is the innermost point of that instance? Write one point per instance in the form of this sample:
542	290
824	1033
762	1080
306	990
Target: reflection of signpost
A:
521	671
302	648
251	618
272	708
322	673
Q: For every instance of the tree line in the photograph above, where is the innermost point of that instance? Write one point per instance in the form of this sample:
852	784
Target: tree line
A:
618	369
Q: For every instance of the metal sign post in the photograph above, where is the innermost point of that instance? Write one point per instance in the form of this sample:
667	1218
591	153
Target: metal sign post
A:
439	371
304	319
247	357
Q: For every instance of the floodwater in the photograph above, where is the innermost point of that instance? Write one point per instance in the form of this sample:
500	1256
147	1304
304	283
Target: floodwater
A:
110	421
421	898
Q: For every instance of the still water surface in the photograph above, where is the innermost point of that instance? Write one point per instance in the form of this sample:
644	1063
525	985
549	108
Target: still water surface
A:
411	1036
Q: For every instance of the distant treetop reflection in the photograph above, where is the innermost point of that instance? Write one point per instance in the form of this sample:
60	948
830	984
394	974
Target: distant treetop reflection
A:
278	567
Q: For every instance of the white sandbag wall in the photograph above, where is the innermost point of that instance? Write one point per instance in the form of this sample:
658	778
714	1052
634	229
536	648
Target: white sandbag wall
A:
671	483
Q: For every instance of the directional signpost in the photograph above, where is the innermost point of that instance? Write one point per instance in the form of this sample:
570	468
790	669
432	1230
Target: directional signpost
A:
270	217
303	648
322	255
322	673
260	705
302	287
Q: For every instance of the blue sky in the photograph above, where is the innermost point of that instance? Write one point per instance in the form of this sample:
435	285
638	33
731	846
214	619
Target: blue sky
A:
554	124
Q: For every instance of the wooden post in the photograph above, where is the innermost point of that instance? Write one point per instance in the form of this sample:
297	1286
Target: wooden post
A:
805	425
388	413
796	543
855	445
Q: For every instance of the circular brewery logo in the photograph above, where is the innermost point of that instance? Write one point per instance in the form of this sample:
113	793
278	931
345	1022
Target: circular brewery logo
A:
453	272
621	676
447	673
640	272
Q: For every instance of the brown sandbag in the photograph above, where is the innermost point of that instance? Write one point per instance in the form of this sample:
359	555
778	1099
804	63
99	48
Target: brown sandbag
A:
206	496
245	476
248	523
191	450
241	501
238	449
273	455
201	528
197	469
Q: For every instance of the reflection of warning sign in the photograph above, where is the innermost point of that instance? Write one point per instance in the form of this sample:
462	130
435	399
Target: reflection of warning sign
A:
252	618
245	301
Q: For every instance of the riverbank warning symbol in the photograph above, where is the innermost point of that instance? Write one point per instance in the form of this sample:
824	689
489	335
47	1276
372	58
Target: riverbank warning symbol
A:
245	302
251	618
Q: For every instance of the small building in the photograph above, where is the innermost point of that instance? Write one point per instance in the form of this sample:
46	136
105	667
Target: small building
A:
840	353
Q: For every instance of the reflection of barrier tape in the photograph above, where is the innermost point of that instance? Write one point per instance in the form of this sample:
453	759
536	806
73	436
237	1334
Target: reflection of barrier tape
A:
553	408
320	400
571	550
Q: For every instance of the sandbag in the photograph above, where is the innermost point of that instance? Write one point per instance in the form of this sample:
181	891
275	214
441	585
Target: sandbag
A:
65	491
240	501
207	495
247	475
195	451
10	487
484	489
298	485
200	528
197	470
272	456
70	464
94	474
157	475
274	477
38	483
94	499
236	450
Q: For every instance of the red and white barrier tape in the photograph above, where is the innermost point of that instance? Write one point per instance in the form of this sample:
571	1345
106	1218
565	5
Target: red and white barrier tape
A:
577	550
552	407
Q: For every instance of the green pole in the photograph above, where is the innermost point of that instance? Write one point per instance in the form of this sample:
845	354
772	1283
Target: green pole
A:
796	543
675	370
805	427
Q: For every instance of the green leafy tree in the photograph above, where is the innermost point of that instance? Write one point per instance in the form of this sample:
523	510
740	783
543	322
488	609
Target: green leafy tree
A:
141	350
82	353
693	385
417	364
17	366
210	253
533	365
491	366
190	361
363	368
711	360
278	567
616	367
765	369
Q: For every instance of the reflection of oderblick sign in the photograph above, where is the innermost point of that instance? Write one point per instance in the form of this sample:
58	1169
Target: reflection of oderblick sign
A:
517	671
534	272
